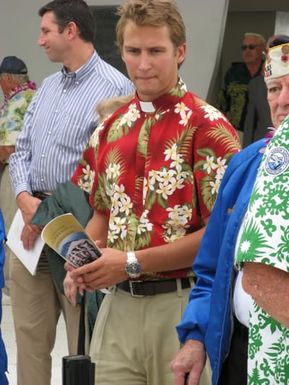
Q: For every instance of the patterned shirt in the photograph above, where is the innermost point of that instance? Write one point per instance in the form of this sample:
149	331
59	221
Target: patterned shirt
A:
264	238
156	175
233	97
12	113
59	122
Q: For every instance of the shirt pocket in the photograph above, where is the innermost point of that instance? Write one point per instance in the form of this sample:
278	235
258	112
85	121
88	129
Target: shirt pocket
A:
73	134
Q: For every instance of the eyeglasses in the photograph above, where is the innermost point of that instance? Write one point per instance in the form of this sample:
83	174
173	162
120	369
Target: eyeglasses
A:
249	46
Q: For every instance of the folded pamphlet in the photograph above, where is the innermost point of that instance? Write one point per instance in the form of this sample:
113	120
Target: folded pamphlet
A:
65	235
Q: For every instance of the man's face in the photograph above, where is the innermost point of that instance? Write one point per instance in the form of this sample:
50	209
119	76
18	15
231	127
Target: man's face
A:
5	83
278	98
252	48
151	59
51	39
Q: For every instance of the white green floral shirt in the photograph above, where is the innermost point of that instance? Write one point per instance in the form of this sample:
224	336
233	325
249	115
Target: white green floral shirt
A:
265	239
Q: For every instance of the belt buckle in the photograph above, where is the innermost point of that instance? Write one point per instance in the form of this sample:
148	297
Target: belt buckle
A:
131	289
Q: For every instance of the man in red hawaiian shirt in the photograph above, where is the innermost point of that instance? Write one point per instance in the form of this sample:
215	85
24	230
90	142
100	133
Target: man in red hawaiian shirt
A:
152	170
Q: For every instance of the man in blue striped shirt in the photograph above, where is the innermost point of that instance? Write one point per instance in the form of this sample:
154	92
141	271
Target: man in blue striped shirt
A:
57	126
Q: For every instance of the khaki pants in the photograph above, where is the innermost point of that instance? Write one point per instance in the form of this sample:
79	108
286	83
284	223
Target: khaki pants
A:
36	307
9	207
134	339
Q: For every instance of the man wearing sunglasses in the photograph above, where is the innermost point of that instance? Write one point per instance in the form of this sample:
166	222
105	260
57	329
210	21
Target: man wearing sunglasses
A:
233	96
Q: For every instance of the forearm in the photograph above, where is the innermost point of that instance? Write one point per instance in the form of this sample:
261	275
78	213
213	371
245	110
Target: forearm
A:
18	169
171	256
269	288
97	228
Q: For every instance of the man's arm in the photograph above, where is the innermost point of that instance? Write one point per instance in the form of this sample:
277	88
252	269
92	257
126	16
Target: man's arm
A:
269	287
109	269
190	360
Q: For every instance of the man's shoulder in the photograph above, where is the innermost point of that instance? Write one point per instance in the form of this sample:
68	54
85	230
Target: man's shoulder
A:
237	71
111	74
237	66
247	154
52	78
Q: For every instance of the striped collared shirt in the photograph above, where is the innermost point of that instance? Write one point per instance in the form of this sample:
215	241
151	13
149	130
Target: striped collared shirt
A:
59	122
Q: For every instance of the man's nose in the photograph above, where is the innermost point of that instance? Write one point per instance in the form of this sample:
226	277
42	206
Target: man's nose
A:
145	62
40	40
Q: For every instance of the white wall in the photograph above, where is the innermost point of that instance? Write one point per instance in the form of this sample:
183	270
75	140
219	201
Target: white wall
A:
204	19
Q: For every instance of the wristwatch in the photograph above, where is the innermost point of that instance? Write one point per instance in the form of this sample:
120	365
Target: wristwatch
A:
132	267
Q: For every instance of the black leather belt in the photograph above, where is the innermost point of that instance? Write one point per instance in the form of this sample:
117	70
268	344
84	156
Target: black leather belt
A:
149	288
40	195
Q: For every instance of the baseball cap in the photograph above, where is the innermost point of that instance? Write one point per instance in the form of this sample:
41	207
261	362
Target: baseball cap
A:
13	65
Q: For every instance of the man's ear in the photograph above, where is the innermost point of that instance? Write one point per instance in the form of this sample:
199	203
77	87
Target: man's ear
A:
181	53
71	30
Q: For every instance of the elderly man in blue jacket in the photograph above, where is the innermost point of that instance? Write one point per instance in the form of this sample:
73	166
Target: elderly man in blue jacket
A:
232	290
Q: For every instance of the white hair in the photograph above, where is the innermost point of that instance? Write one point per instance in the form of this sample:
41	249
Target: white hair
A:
261	37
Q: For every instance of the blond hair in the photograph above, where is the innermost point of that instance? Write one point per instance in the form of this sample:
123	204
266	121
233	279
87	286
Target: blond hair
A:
109	106
155	13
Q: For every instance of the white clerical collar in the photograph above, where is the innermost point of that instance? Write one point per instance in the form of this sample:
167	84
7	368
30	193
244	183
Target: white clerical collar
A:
147	107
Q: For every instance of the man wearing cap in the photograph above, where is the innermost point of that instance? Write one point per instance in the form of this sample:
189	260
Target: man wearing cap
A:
18	91
232	99
239	311
57	127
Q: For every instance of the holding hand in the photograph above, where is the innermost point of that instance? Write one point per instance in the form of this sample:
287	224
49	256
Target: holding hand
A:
106	271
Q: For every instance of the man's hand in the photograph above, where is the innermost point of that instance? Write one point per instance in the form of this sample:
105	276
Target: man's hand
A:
70	289
28	205
106	271
29	235
190	360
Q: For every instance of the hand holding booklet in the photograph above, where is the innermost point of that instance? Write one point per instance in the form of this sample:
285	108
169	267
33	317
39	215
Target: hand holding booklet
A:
29	258
65	235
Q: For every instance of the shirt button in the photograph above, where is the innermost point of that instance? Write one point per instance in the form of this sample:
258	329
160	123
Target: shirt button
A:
42	180
49	132
42	155
64	91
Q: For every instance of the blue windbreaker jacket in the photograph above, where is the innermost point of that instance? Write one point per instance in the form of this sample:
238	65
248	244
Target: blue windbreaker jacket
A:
208	315
3	356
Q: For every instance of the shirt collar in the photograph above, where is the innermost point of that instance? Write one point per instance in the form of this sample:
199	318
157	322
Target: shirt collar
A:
84	70
165	101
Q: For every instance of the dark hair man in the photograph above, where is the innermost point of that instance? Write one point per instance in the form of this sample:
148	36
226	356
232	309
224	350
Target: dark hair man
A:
57	126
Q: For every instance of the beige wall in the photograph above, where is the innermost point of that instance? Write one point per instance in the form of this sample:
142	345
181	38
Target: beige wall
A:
19	27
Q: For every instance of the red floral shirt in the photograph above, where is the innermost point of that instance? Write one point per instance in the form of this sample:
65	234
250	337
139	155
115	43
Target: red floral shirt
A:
156	175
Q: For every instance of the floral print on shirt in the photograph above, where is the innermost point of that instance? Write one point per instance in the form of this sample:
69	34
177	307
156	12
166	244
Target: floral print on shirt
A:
156	176
12	113
265	239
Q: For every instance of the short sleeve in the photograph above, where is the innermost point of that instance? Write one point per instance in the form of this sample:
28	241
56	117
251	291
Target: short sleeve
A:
214	144
264	234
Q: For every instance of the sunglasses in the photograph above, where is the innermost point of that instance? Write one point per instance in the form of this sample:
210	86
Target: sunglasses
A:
249	46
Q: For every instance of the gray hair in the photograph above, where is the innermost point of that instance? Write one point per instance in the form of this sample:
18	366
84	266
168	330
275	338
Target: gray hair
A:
20	78
261	37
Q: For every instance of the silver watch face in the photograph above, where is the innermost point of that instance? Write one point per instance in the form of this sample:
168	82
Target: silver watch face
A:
133	269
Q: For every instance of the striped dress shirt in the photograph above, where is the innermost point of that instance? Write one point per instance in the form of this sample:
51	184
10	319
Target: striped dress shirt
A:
59	122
